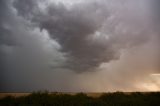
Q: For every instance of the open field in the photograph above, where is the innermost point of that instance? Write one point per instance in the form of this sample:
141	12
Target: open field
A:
20	94
81	99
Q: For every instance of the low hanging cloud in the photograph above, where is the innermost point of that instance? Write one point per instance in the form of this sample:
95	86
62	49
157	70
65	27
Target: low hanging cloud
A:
90	33
65	45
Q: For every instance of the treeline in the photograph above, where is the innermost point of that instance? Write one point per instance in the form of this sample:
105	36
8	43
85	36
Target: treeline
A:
81	99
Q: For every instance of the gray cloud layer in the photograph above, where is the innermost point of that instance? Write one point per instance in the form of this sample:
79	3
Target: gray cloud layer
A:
74	29
40	41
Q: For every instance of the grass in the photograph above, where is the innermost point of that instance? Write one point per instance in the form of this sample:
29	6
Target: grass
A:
81	99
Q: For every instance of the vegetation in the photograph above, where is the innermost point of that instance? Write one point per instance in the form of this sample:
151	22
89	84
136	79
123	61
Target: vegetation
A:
81	99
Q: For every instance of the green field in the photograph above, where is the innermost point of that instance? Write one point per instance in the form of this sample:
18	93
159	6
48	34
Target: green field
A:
81	99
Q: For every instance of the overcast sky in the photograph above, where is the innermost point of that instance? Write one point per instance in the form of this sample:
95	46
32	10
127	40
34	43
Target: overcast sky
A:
79	45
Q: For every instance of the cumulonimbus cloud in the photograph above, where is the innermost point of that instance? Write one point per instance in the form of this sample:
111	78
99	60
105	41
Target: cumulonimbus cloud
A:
43	39
89	33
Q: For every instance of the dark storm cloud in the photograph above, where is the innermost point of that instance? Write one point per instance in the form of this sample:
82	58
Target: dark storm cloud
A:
76	27
71	28
82	37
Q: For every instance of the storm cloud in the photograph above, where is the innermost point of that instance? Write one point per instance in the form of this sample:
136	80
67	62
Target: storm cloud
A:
84	33
71	44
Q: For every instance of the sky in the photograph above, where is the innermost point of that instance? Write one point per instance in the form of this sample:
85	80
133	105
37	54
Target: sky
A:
79	45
